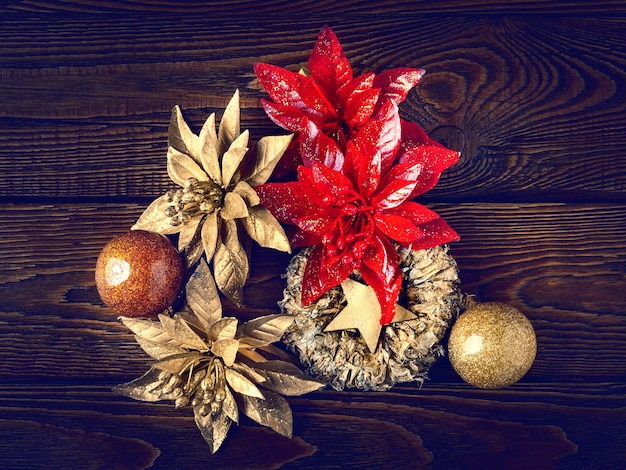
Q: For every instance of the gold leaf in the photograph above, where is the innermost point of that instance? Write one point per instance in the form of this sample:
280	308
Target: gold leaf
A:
145	388
154	219
158	350
234	207
230	264
213	427
242	385
209	232
151	330
225	328
180	329
181	167
188	231
177	363
273	412
247	193
229	406
264	330
249	372
180	136
226	349
286	379
229	125
193	252
270	149
202	297
233	157
209	157
263	228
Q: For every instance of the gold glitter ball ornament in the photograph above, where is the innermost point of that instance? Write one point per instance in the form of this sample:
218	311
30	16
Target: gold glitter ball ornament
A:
492	345
139	274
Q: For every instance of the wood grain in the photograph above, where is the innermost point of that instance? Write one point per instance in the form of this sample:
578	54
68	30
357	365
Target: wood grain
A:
345	7
536	106
532	93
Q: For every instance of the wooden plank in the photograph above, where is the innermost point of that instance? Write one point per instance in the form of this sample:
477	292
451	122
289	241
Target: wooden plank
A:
63	423
561	264
351	7
86	100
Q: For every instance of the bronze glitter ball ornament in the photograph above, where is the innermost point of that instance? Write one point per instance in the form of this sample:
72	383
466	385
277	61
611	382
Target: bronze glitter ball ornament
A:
139	274
492	345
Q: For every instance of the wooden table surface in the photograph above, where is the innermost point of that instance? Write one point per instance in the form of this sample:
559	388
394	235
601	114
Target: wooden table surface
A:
532	93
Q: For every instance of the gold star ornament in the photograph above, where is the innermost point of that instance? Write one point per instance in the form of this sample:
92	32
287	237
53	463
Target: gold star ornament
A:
363	313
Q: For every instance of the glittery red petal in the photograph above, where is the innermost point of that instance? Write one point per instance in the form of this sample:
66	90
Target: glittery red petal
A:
395	84
328	64
381	270
436	232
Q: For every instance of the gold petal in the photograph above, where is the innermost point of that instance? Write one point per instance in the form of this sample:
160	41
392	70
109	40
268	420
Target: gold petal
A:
234	207
247	193
273	412
249	372
180	136
226	349
232	158
188	231
230	264
263	228
193	252
225	328
209	156
154	219
180	329
264	330
286	379
213	427
202	297
177	363
158	350
181	167
209	233
145	388
229	406
242	385
151	330
229	125
270	149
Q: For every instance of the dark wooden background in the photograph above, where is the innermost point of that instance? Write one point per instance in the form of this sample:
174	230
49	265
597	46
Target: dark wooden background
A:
533	94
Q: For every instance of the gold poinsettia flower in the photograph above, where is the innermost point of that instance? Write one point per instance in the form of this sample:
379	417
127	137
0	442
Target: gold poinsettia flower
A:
216	192
215	365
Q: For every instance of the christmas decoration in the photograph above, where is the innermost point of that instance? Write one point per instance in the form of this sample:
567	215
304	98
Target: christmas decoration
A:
492	345
215	365
361	167
370	293
217	195
405	350
139	274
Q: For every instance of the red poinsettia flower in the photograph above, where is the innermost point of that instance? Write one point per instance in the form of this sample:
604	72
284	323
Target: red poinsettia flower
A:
350	206
330	98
